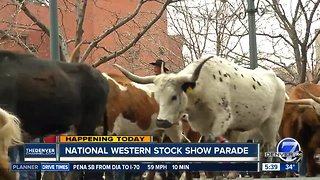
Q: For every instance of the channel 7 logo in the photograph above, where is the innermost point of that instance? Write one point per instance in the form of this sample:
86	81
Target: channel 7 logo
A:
288	150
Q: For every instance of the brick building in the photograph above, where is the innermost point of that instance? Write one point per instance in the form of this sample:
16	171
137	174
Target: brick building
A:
100	15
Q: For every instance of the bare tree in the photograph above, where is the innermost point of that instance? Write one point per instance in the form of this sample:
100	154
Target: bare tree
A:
206	26
79	8
221	28
297	23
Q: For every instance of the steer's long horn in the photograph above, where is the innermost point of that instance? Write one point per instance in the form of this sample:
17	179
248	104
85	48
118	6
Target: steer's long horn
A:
196	72
305	106
300	102
315	98
135	78
194	77
162	68
74	52
185	137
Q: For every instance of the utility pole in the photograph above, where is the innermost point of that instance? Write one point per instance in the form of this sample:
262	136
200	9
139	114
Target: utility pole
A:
252	34
54	31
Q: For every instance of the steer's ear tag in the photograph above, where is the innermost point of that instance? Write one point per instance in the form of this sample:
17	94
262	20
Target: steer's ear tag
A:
189	90
188	87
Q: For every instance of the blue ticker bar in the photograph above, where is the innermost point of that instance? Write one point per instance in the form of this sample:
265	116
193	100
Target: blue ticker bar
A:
164	166
58	167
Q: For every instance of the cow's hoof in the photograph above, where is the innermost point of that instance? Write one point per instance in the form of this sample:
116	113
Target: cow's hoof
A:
310	174
218	177
232	175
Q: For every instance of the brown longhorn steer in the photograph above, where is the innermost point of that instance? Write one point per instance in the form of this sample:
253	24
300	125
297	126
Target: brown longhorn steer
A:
302	122
132	109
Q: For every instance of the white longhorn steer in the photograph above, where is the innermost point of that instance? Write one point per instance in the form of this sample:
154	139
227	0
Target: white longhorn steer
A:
219	96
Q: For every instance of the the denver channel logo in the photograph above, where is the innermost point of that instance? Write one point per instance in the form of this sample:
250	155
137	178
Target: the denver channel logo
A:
288	150
40	151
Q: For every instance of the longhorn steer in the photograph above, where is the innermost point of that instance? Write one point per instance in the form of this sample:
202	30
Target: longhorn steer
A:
219	96
132	110
302	122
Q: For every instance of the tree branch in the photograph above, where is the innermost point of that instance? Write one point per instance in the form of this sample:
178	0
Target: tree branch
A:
313	39
110	30
81	11
21	4
135	40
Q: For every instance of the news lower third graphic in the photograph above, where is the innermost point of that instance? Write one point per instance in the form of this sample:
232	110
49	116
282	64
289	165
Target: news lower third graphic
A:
288	150
136	153
76	166
106	139
143	152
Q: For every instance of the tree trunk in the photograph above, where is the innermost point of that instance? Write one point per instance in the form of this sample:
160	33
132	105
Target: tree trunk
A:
303	70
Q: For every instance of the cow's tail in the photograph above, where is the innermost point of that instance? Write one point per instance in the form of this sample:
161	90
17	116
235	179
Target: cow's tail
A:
105	123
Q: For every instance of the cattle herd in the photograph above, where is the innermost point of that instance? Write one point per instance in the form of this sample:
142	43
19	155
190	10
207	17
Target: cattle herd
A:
40	98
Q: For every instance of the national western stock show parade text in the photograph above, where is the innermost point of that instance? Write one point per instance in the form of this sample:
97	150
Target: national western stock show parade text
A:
136	153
